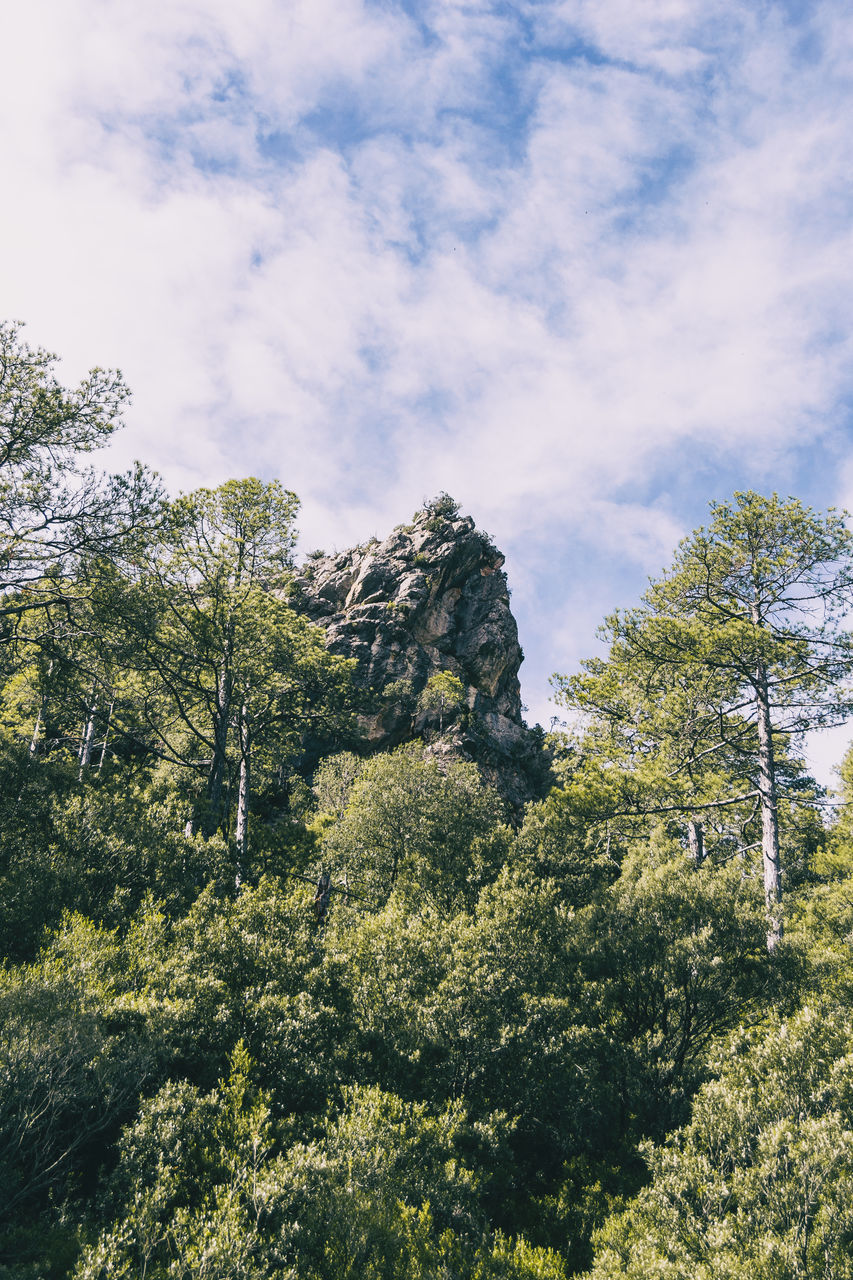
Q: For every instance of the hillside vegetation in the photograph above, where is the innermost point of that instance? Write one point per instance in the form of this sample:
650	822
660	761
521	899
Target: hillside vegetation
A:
264	1015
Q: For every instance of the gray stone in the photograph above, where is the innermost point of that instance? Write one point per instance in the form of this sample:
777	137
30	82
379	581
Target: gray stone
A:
432	597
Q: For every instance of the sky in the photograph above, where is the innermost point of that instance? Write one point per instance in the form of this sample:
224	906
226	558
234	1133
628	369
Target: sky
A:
583	264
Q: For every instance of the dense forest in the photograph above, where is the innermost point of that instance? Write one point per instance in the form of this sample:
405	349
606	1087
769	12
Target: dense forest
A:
275	1004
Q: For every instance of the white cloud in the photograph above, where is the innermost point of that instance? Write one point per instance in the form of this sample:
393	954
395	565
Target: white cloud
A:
378	265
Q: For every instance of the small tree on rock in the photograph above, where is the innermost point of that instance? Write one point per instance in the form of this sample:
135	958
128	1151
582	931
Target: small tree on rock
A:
445	693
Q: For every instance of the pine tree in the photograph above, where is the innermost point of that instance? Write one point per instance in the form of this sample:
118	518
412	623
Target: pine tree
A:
734	654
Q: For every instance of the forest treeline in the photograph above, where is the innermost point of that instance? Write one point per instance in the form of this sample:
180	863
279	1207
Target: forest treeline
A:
272	1012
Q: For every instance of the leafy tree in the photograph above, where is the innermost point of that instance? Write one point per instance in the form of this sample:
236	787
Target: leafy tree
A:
187	1186
66	678
564	838
584	1031
333	781
204	1189
820	911
71	1066
668	960
54	512
201	580
241	969
736	652
433	831
760	1182
443	692
230	671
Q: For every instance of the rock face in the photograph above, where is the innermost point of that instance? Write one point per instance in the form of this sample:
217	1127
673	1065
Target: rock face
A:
432	597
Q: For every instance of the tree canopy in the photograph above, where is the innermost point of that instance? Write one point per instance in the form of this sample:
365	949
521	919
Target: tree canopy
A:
55	511
735	653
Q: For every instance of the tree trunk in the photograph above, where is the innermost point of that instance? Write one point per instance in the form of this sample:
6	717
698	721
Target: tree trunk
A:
34	740
84	755
696	841
216	776
106	736
769	810
242	833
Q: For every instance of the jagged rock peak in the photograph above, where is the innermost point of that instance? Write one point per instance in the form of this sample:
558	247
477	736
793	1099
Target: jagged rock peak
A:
431	597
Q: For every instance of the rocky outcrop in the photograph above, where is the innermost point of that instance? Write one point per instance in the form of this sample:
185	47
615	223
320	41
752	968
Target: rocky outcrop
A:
431	598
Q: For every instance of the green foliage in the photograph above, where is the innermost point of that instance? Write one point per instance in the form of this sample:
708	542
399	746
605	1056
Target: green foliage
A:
397	696
55	512
439	510
671	957
442	857
71	1066
736	652
232	676
454	1072
96	849
760	1183
188	1184
221	1197
564	838
334	780
443	693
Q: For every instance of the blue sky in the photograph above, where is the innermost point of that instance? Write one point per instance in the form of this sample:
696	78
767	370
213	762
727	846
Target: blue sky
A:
584	264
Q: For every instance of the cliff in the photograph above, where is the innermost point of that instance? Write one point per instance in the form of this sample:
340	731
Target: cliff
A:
431	598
